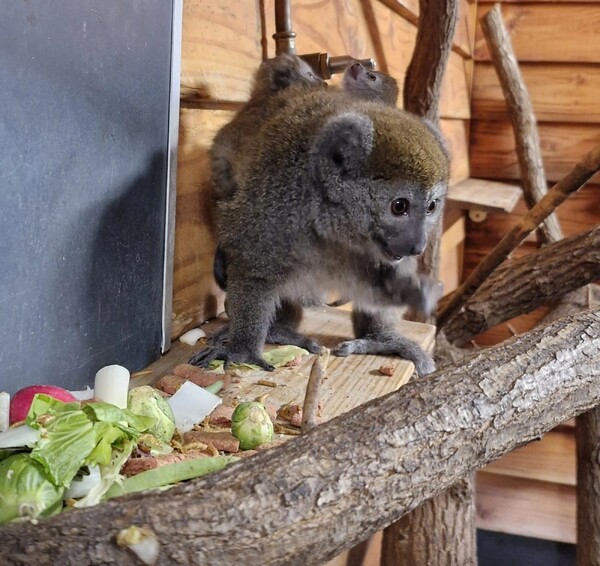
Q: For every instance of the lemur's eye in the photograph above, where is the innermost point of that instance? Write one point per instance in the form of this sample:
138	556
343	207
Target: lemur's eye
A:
400	206
371	77
432	206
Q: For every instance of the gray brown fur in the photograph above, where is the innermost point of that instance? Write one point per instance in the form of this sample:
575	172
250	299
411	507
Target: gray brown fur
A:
273	76
312	212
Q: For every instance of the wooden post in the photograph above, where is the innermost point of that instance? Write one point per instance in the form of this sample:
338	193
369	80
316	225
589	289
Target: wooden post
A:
447	511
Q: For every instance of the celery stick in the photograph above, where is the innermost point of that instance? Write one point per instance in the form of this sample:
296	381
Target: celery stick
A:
169	474
215	387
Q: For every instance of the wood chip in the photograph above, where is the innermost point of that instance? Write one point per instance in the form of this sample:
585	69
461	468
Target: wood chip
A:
387	370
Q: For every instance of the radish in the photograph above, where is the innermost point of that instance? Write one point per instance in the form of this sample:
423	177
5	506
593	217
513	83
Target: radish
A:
21	400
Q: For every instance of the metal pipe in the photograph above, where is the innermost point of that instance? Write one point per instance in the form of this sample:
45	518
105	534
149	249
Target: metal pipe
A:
285	38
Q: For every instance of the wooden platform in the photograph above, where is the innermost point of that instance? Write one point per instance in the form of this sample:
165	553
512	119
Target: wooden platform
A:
484	196
349	381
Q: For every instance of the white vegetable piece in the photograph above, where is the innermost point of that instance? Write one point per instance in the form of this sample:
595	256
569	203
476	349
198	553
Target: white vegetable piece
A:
4	411
81	486
19	437
192	336
111	385
191	404
83	395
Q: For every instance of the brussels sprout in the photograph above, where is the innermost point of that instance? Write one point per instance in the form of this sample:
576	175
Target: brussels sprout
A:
25	491
251	425
147	401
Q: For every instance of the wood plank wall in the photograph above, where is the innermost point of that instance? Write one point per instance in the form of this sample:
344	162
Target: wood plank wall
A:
224	41
532	491
558	48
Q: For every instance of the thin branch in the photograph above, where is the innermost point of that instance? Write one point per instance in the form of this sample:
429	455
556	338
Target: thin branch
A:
313	391
522	117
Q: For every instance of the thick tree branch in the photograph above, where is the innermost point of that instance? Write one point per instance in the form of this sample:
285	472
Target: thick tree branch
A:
522	117
579	175
323	492
521	285
423	81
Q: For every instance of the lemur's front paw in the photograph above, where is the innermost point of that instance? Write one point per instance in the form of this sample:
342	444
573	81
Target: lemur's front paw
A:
220	352
431	293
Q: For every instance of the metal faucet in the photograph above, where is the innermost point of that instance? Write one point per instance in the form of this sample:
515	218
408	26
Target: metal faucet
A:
321	63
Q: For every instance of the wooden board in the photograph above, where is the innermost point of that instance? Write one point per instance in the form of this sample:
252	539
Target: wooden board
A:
350	382
196	297
451	255
548	32
526	507
456	134
492	149
221	48
559	93
484	195
551	459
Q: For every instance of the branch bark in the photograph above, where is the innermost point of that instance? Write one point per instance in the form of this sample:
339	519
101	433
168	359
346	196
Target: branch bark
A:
521	285
522	117
452	541
319	494
423	81
422	89
578	176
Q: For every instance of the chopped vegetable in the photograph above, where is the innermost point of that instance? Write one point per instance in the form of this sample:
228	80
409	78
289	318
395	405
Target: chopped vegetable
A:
21	401
147	401
67	440
191	404
215	387
19	437
110	476
83	483
4	411
277	357
26	490
111	385
141	541
169	474
387	370
192	336
83	395
251	425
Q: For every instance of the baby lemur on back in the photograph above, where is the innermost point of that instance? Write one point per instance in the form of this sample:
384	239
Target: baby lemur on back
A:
273	76
334	193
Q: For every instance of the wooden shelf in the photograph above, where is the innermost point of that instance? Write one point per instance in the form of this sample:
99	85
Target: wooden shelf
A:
349	382
484	196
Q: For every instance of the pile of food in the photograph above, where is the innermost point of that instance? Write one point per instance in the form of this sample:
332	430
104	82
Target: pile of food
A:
62	449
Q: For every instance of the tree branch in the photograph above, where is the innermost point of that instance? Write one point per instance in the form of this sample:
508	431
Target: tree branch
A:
521	285
423	80
319	494
574	180
522	117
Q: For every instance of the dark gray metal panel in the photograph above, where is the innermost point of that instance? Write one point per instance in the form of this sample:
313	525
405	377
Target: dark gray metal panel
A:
84	93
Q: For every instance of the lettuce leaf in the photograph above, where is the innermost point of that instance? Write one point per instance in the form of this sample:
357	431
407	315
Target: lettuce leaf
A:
64	445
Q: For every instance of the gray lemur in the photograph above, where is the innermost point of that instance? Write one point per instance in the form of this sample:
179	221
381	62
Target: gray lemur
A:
336	193
357	82
360	83
273	76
